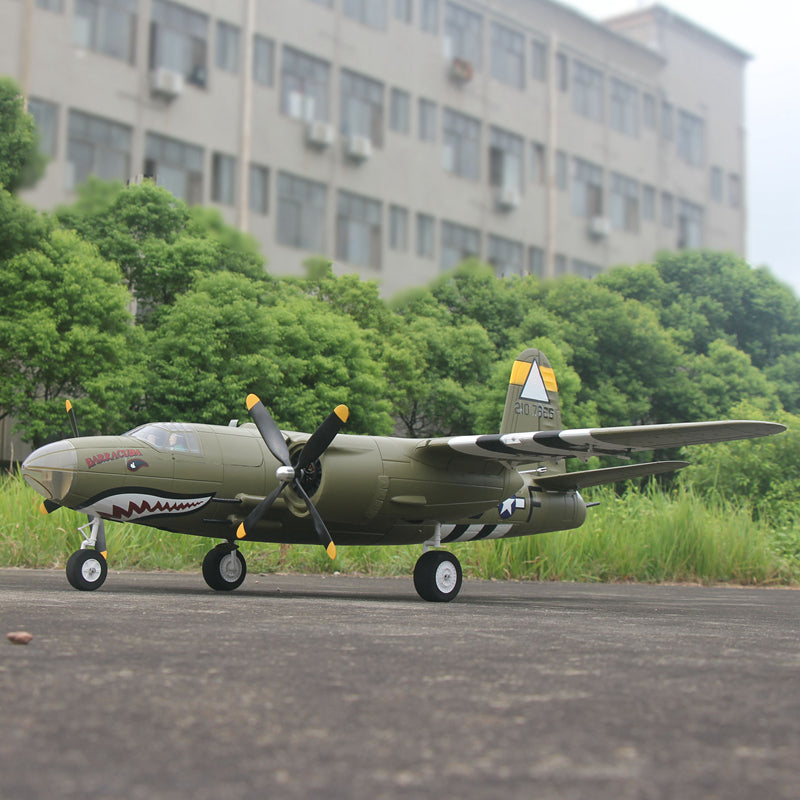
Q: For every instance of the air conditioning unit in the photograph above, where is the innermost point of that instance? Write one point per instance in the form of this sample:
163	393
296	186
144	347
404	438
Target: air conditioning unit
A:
599	227
320	134
358	148
461	70
507	198
166	83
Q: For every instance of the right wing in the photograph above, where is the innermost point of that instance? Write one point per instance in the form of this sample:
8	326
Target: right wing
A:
569	481
586	442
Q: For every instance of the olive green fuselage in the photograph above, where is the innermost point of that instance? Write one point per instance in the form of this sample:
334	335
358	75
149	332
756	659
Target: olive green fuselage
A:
369	490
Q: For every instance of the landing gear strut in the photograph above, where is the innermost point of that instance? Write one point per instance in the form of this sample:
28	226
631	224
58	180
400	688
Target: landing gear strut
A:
224	568
437	576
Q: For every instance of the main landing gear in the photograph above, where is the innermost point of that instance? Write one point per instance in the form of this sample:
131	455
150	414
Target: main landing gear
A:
224	567
437	576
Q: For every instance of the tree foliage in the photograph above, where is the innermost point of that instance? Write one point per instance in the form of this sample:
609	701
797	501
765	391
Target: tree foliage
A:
21	163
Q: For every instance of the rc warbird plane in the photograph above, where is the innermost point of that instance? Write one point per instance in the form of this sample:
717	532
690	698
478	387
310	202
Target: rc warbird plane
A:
255	482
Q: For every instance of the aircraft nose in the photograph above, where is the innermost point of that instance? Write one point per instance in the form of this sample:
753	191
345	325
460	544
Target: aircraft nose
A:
50	469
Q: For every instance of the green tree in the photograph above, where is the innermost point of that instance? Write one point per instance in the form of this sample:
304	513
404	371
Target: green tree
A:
65	331
21	163
157	241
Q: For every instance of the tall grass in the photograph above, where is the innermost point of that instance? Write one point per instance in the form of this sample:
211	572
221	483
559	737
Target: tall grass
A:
644	535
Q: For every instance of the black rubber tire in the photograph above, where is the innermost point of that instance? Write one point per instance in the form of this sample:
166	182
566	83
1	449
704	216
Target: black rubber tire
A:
221	574
87	570
437	576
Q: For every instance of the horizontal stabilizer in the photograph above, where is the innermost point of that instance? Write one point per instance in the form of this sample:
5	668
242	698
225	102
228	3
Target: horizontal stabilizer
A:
570	481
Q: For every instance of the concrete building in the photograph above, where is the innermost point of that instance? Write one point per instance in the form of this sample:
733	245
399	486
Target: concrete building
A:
398	136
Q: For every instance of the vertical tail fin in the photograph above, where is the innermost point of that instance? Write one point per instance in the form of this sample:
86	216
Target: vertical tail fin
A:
532	401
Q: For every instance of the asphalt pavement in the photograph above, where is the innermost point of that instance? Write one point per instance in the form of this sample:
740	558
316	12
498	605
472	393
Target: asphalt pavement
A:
155	686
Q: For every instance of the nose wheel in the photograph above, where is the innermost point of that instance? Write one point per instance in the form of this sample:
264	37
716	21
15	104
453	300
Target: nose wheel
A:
87	569
224	568
437	576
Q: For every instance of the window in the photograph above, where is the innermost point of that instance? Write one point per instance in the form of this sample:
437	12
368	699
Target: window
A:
691	138
371	13
51	5
715	186
429	16
402	10
426	232
587	91
667	210
106	26
305	86
400	111
45	115
463	35
361	107
538	60
427	120
258	200
301	213
97	146
505	159
585	269
223	179
358	230
176	165
458	244
624	108
461	144
508	56
561	169
734	191
649	203
690	225
624	203
562	75
227	47
667	122
560	265
326	3
649	111
538	171
506	256
398	228
263	60
536	261
587	189
179	41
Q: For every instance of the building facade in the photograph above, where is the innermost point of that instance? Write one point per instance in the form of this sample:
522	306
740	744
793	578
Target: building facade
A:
398	137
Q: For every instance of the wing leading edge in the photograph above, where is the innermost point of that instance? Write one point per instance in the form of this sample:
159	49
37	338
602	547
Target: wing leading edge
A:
585	442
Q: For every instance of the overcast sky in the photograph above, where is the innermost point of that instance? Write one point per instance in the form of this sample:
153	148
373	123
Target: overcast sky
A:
768	30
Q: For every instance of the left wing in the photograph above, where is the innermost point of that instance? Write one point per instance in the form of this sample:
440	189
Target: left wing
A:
586	442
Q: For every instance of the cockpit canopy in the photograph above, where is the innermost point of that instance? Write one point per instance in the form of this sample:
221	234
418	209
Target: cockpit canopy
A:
176	436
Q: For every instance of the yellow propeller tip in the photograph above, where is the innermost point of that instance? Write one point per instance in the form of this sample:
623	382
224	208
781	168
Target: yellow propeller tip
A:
331	550
69	406
343	412
241	532
43	508
252	399
104	553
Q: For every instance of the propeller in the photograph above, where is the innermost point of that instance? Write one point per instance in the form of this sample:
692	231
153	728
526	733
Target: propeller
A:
48	506
289	473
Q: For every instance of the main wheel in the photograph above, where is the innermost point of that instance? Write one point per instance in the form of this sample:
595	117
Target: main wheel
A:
87	570
437	576
224	569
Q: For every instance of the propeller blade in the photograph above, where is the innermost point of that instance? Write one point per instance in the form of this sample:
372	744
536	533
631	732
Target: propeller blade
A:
100	543
72	419
319	526
255	515
49	506
322	437
269	431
